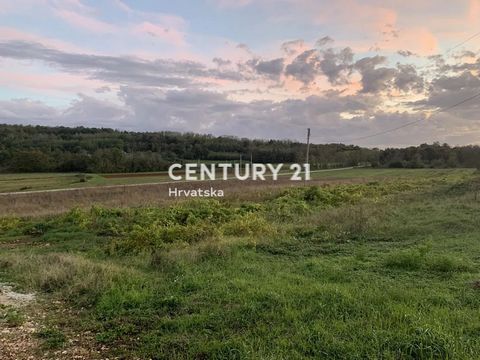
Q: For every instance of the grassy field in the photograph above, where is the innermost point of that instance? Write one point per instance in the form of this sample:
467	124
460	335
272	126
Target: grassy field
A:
384	269
50	181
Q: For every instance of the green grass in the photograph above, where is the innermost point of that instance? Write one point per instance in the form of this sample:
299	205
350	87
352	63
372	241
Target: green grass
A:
51	338
384	270
10	316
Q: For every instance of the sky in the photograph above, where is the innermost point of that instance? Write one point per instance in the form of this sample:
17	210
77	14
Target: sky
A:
268	69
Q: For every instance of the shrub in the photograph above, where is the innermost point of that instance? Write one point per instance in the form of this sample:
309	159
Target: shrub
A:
248	225
199	210
37	228
78	217
9	223
141	238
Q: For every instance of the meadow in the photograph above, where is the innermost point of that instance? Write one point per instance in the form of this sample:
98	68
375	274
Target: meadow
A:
385	268
51	181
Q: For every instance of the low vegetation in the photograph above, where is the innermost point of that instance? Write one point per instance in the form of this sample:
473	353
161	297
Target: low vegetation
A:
384	269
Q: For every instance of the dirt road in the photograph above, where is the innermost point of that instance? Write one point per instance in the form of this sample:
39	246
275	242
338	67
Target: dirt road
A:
47	202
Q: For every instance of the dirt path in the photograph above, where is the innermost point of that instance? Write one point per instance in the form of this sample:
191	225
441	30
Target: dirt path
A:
51	202
133	175
16	327
22	317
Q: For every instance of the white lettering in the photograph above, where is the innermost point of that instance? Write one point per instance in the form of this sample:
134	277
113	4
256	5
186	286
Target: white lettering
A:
170	172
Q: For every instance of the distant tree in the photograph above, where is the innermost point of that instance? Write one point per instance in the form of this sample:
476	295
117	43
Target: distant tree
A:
40	148
30	161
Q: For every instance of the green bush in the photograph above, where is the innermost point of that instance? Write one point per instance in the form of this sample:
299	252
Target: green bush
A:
249	224
9	223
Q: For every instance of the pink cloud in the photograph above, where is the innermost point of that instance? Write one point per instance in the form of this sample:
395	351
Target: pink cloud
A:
167	34
11	34
419	40
474	11
25	78
85	22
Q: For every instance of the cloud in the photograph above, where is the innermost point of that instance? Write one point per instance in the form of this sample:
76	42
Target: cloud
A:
169	35
337	66
84	111
407	79
293	47
24	109
447	90
221	62
212	112
374	79
146	108
272	68
85	22
405	53
304	67
89	111
123	70
323	41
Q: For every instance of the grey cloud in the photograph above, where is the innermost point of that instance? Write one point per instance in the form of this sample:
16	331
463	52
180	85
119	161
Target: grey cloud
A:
291	47
305	66
438	60
85	110
103	89
323	41
336	66
407	79
146	108
405	53
90	111
460	67
446	90
374	79
210	112
244	47
465	54
272	68
126	70
466	80
221	62
21	109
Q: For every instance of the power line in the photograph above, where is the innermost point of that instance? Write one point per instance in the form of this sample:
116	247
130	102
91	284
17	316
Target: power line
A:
463	42
416	121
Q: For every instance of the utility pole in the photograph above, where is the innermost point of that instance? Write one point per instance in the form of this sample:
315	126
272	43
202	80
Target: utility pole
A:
307	157
308	145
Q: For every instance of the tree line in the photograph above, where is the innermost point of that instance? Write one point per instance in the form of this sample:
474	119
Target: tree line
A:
100	150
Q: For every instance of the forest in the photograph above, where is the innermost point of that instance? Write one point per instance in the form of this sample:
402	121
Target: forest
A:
101	150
